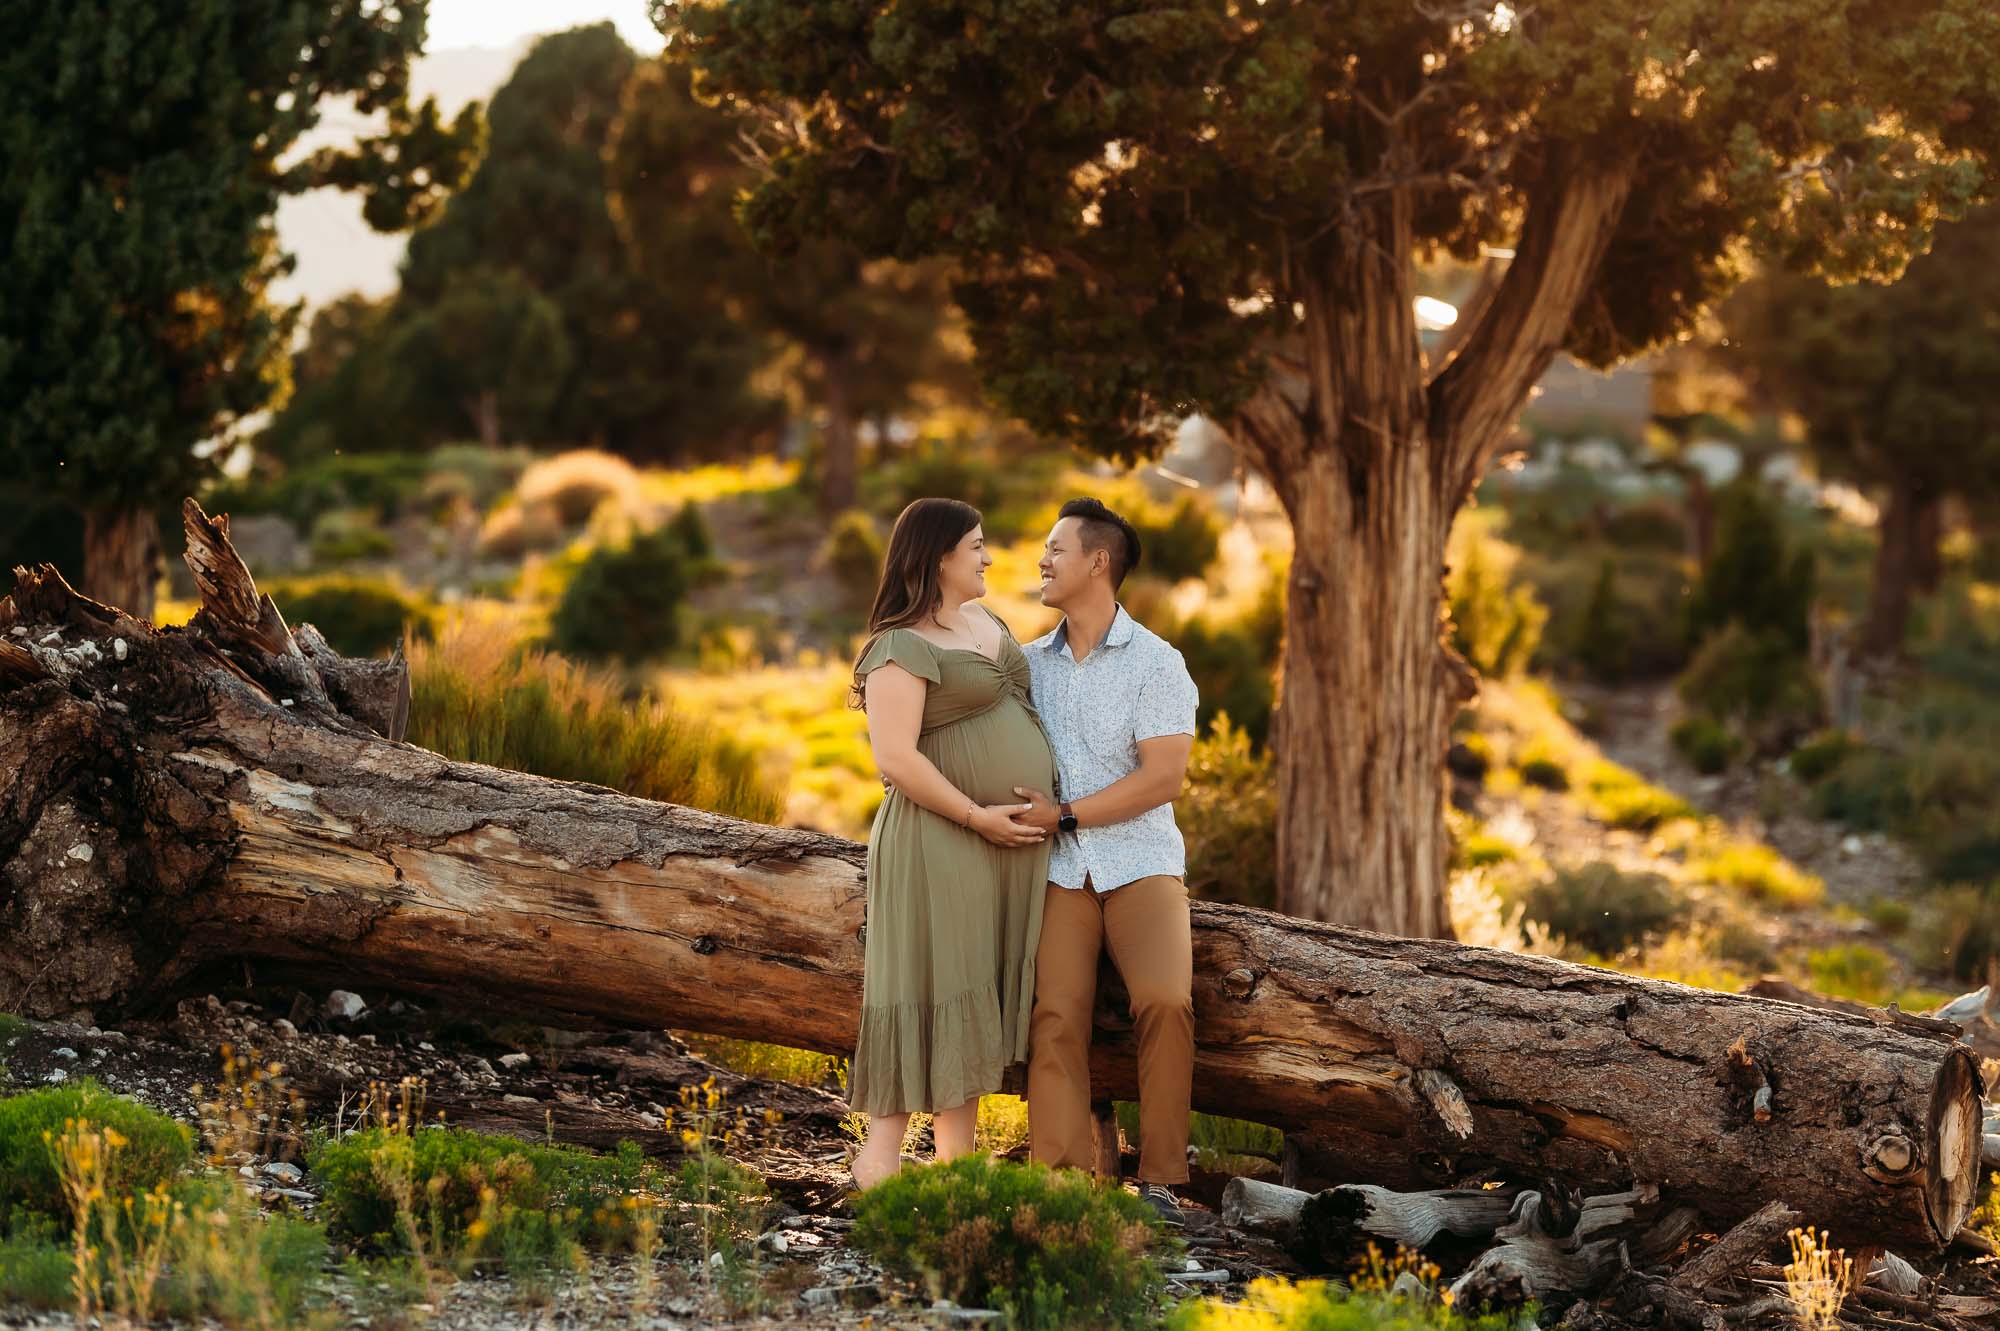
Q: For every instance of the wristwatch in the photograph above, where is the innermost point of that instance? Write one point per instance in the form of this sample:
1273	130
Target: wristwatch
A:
1067	822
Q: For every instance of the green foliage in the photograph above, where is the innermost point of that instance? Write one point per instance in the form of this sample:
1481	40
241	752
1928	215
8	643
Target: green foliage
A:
359	616
137	220
384	483
488	357
536	1201
1705	742
1960	933
1271	1304
1756	680
1232	670
1228	813
1052	1250
1606	639
624	600
349	533
1817	758
475	695
243	1269
1107	291
690	529
1602	908
1540	764
853	555
157	1147
1178	541
1496	622
1898	383
1751	579
36	1265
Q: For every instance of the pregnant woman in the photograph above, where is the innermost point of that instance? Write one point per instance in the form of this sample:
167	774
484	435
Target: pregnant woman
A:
955	885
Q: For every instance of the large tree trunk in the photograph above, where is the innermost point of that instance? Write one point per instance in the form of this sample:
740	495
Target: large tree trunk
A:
228	791
839	462
121	556
1367	715
1372	463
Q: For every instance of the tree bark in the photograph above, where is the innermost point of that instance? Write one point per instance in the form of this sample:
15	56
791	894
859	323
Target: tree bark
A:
121	556
839	448
1372	464
1909	518
204	793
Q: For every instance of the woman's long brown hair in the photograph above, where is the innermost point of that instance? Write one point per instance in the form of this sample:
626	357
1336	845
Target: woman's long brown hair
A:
925	532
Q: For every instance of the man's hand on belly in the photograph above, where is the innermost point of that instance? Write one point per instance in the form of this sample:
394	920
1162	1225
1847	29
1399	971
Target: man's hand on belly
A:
1044	813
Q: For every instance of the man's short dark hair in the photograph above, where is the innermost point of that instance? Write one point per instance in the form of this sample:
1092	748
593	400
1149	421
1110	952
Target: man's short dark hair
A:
1101	529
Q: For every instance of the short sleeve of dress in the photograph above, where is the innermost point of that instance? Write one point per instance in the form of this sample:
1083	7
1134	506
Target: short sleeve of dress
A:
906	649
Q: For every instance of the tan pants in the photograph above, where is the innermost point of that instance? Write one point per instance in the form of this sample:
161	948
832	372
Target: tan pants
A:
1145	925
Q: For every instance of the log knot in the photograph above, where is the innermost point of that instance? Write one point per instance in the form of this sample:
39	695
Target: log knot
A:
1240	982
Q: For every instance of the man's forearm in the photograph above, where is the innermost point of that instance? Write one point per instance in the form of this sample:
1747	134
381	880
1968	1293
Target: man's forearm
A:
1128	797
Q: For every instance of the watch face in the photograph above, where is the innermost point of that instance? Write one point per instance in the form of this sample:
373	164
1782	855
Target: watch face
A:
1067	823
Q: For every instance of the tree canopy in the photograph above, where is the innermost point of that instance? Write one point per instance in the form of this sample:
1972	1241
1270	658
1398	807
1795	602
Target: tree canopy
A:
1221	206
146	152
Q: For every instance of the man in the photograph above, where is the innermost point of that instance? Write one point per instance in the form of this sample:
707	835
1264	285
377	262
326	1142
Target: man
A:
1119	708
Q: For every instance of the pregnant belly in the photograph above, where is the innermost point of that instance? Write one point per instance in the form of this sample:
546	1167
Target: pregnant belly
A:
987	756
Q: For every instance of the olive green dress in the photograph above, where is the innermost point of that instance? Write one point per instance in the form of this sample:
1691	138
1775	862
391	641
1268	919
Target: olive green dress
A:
953	919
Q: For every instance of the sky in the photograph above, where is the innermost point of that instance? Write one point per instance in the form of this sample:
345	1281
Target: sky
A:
457	23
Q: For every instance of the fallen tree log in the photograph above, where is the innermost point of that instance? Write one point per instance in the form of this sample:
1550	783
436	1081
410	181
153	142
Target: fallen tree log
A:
172	797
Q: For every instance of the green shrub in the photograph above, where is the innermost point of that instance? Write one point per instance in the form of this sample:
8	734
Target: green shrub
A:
691	530
341	534
243	1269
1177	542
1481	850
358	616
1602	908
624	600
1816	759
1604	641
1272	1304
1961	931
1705	742
1052	1250
853	553
1751	579
380	483
544	1199
1228	813
1870	790
476	696
157	1148
1852	970
1231	671
1756	679
1496	622
1540	765
36	1265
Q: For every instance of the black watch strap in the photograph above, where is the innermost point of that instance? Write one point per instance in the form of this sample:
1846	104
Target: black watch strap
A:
1068	820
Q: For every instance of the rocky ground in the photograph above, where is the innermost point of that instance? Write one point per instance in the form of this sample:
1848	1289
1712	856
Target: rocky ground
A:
542	1083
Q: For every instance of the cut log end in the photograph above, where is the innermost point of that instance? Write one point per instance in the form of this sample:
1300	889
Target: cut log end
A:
1952	1143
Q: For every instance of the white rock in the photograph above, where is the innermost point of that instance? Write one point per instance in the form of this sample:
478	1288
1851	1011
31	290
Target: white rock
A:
284	1170
427	1046
341	1003
56	1077
81	851
283	1026
715	1260
66	1053
118	648
515	1060
1851	845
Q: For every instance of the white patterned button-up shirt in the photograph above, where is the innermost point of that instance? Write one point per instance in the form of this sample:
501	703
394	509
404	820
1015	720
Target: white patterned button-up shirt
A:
1133	686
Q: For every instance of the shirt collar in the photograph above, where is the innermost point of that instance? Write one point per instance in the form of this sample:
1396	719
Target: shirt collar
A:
1119	634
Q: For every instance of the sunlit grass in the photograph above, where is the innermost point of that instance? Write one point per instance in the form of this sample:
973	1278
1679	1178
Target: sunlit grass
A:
770	1062
1761	874
722	480
797	721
